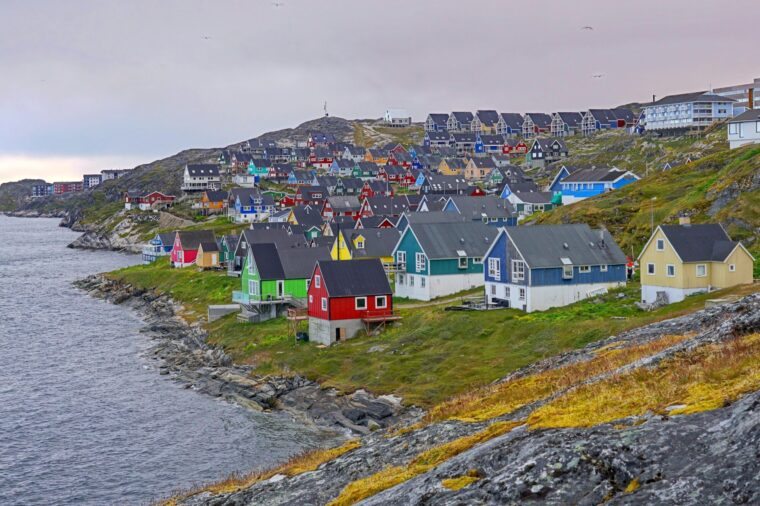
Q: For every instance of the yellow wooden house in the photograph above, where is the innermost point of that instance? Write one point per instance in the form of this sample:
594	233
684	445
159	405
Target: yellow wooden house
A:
208	256
451	167
366	243
681	260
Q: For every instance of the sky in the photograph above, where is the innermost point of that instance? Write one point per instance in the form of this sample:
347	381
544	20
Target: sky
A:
92	84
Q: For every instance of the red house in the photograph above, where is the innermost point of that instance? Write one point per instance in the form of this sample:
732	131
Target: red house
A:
477	191
391	173
70	187
514	147
376	188
408	179
152	200
347	296
321	157
186	246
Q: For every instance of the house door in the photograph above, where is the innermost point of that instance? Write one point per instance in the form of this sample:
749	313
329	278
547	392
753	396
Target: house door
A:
280	289
339	333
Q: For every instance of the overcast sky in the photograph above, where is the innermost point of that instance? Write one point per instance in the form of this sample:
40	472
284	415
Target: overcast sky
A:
93	84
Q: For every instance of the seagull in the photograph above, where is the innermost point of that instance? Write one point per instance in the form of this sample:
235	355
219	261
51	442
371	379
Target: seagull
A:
598	76
588	28
277	4
205	37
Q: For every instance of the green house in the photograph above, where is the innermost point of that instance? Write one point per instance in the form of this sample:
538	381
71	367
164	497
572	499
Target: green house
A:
439	259
270	273
258	168
227	248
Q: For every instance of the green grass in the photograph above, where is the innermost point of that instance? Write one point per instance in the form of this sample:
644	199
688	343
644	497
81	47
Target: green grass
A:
430	356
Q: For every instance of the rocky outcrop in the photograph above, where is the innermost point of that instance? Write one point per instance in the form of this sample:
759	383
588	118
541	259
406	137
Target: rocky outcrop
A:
185	355
705	458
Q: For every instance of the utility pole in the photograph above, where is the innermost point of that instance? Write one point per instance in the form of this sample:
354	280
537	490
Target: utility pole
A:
651	207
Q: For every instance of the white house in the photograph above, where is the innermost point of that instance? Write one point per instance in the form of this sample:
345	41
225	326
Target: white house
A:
201	177
687	111
397	118
744	129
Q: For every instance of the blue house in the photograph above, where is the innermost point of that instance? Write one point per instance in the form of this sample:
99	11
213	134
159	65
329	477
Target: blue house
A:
298	177
437	139
543	266
578	184
489	210
490	144
159	246
250	205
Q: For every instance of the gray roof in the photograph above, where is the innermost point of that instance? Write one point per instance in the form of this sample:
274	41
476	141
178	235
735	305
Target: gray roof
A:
488	117
696	243
540	119
492	139
698	96
571	118
463	116
298	263
378	242
603	115
438	118
625	114
434	217
191	239
345	203
544	246
203	169
512	119
464	136
482	162
267	260
475	207
748	115
167	239
216	195
534	197
208	246
353	278
447	240
375	220
602	174
388	205
307	216
546	144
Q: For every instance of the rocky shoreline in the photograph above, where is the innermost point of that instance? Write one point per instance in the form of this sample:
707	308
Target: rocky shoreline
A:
185	356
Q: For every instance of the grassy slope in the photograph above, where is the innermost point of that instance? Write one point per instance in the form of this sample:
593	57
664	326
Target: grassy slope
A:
432	355
693	188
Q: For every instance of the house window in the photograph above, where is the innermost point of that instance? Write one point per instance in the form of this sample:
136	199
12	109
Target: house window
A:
419	262
701	270
518	270
650	269
603	268
584	269
567	272
757	126
360	303
462	262
733	128
731	267
423	281
308	284
660	244
522	293
400	279
411	280
493	289
477	260
401	257
324	303
494	268
360	244
253	288
670	270
506	292
381	302
317	281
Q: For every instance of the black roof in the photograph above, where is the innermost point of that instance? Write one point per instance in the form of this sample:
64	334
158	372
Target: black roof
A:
353	278
695	243
512	119
209	246
307	216
488	117
191	239
540	119
203	169
545	246
748	115
216	195
698	96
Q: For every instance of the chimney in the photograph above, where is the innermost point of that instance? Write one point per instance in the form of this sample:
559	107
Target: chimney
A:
684	220
751	98
654	98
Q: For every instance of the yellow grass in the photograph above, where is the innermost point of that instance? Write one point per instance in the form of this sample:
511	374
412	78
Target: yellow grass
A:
504	398
706	378
299	464
422	463
633	486
459	482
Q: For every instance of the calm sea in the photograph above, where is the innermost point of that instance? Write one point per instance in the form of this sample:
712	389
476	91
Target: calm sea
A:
84	417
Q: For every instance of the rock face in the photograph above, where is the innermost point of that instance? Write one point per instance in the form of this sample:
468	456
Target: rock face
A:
706	458
184	354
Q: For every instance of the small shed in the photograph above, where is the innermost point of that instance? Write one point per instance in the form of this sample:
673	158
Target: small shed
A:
208	256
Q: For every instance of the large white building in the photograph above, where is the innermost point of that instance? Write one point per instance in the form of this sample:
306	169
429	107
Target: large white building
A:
744	129
397	118
740	93
687	111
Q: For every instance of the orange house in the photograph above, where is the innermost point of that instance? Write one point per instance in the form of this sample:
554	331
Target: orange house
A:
376	155
213	201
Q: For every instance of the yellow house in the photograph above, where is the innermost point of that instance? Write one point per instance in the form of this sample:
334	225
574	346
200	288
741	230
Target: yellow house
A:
680	260
376	155
478	169
208	255
366	243
340	249
451	167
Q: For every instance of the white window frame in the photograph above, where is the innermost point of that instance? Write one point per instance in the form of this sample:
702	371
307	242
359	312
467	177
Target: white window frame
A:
651	267
423	281
733	128
660	244
311	298
383	299
603	268
400	279
668	268
494	268
518	274
704	270
401	257
459	264
420	262
521	294
411	280
584	269
324	303
567	272
317	281
731	267
356	303
507	292
253	287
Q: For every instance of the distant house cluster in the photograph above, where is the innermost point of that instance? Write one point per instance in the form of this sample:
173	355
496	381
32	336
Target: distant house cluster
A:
88	182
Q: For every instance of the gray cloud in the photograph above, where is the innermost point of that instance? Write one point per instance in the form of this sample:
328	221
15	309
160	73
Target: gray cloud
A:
143	78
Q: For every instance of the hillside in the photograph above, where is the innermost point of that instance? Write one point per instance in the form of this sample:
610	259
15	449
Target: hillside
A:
12	195
723	186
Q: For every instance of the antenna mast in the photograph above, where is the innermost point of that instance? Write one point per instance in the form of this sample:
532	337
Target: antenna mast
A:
325	109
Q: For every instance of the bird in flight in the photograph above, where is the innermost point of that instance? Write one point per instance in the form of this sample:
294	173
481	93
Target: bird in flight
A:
598	76
588	28
205	37
277	4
